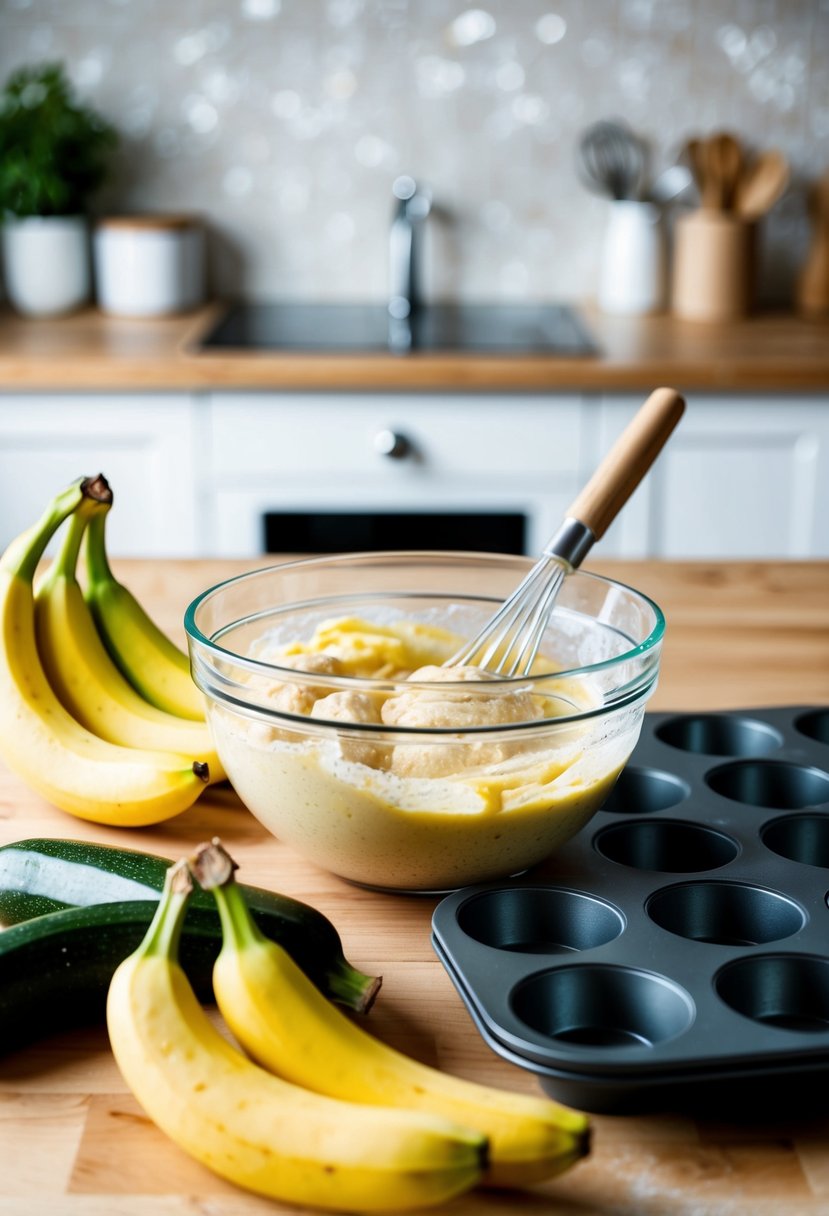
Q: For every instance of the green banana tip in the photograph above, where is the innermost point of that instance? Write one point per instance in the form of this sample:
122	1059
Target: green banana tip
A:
162	936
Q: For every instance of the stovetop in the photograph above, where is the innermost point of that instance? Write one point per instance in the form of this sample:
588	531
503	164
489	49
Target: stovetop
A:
529	328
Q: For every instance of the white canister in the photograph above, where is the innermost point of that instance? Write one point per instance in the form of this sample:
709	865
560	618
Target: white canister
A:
46	264
149	265
632	273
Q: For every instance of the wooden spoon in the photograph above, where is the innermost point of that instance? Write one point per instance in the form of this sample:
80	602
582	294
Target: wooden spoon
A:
696	162
725	164
761	185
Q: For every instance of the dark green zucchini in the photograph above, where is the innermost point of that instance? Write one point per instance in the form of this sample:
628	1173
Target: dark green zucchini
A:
42	878
55	970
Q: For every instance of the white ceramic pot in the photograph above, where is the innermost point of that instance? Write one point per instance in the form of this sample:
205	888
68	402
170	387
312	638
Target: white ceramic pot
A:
632	275
149	265
46	267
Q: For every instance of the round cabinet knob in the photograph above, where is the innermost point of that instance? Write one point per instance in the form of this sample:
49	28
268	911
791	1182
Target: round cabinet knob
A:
392	444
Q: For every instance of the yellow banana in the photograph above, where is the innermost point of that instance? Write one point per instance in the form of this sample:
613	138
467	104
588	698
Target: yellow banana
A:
253	1128
39	740
83	675
281	1020
155	667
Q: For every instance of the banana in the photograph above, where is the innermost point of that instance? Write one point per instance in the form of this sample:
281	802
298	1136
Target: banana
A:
81	672
253	1128
72	768
155	667
283	1023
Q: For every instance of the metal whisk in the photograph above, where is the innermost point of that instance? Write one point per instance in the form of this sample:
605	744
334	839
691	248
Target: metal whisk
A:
509	642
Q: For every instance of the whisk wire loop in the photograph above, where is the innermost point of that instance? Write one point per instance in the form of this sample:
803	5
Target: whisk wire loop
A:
509	642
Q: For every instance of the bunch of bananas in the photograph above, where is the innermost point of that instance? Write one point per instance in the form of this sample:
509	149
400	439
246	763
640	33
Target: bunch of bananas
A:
98	712
322	1113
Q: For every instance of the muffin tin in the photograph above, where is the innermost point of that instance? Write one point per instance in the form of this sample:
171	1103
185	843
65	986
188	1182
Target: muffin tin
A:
674	955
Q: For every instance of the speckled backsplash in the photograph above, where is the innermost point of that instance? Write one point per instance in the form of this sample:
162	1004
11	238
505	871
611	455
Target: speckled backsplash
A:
284	122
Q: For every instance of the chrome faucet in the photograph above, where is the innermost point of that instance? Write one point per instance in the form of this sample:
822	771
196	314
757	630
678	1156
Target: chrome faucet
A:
413	205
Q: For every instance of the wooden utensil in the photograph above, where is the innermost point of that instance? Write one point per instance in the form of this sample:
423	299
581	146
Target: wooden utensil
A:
716	163
812	292
761	185
724	159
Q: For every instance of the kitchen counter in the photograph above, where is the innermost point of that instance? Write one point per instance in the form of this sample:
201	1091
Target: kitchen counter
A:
91	351
75	1143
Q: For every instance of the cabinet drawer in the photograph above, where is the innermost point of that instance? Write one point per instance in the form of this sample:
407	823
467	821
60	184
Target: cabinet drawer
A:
306	435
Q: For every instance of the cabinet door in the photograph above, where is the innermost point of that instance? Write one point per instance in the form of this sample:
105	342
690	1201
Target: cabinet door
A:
741	477
144	445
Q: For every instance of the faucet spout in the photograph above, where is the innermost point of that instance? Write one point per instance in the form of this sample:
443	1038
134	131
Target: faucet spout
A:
412	206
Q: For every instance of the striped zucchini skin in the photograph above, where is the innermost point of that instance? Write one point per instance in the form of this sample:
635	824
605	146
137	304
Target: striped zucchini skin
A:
40	878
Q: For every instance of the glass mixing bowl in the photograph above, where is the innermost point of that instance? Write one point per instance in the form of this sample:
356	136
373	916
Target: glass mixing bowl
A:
404	783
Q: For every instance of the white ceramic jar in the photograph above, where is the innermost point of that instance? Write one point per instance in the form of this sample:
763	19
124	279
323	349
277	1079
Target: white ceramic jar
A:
46	264
632	273
149	265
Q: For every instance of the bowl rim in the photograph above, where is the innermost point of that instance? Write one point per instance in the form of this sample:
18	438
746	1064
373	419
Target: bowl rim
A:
623	695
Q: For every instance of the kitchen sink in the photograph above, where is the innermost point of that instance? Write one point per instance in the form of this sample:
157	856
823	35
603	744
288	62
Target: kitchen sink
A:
532	328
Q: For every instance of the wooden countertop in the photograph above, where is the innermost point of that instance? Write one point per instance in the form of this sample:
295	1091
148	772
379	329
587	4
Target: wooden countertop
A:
91	351
74	1142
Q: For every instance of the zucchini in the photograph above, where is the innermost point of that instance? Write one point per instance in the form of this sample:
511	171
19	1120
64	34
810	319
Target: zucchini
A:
55	970
44	878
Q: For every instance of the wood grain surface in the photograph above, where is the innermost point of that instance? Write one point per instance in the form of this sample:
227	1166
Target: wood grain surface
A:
75	1143
91	351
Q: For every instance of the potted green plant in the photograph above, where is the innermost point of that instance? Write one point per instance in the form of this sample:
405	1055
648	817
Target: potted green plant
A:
54	153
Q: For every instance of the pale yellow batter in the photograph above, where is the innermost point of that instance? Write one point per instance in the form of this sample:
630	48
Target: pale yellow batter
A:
394	807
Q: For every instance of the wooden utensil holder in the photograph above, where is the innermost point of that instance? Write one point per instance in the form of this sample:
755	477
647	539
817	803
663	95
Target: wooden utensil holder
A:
713	266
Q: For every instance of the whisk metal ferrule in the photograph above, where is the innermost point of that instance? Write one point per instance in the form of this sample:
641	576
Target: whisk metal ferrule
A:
571	543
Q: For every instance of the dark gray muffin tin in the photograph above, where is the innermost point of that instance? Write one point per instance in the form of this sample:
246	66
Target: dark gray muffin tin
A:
675	954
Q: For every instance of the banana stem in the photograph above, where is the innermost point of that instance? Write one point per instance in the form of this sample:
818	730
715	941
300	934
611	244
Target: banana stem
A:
213	869
23	555
66	561
97	564
162	936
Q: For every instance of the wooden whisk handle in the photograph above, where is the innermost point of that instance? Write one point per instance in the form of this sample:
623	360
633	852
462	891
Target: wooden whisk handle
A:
627	462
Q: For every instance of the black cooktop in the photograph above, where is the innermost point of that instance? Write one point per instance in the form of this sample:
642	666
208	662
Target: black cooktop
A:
536	328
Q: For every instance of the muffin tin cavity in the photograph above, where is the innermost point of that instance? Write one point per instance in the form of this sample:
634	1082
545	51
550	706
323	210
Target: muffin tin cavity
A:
789	992
674	954
815	725
720	735
725	913
639	791
540	920
771	783
666	844
600	1006
803	838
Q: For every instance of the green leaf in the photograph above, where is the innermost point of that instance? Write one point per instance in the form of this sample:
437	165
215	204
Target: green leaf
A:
54	151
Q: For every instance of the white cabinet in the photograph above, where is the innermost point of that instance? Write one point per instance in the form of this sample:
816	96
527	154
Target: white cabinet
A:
144	444
299	454
741	477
